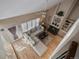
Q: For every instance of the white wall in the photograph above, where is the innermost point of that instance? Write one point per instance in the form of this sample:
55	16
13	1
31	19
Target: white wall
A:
7	35
6	50
49	15
75	12
12	8
2	51
51	12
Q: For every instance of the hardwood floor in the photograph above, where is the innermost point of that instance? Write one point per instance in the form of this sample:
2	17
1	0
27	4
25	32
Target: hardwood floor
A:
51	46
28	53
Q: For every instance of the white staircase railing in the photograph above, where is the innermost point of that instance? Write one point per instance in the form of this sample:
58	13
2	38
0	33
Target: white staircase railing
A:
73	30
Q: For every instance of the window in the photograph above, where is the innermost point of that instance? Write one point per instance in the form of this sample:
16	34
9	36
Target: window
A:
13	31
30	24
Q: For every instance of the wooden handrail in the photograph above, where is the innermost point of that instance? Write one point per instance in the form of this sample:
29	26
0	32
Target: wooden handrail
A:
70	53
72	50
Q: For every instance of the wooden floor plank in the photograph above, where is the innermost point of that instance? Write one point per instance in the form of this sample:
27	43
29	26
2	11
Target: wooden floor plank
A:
29	53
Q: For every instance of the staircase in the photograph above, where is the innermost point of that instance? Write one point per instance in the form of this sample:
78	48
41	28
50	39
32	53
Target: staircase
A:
70	53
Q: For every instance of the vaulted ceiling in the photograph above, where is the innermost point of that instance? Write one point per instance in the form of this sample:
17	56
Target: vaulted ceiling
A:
11	8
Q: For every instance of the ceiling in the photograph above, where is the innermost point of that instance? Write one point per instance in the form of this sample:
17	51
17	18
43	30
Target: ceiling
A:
11	8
